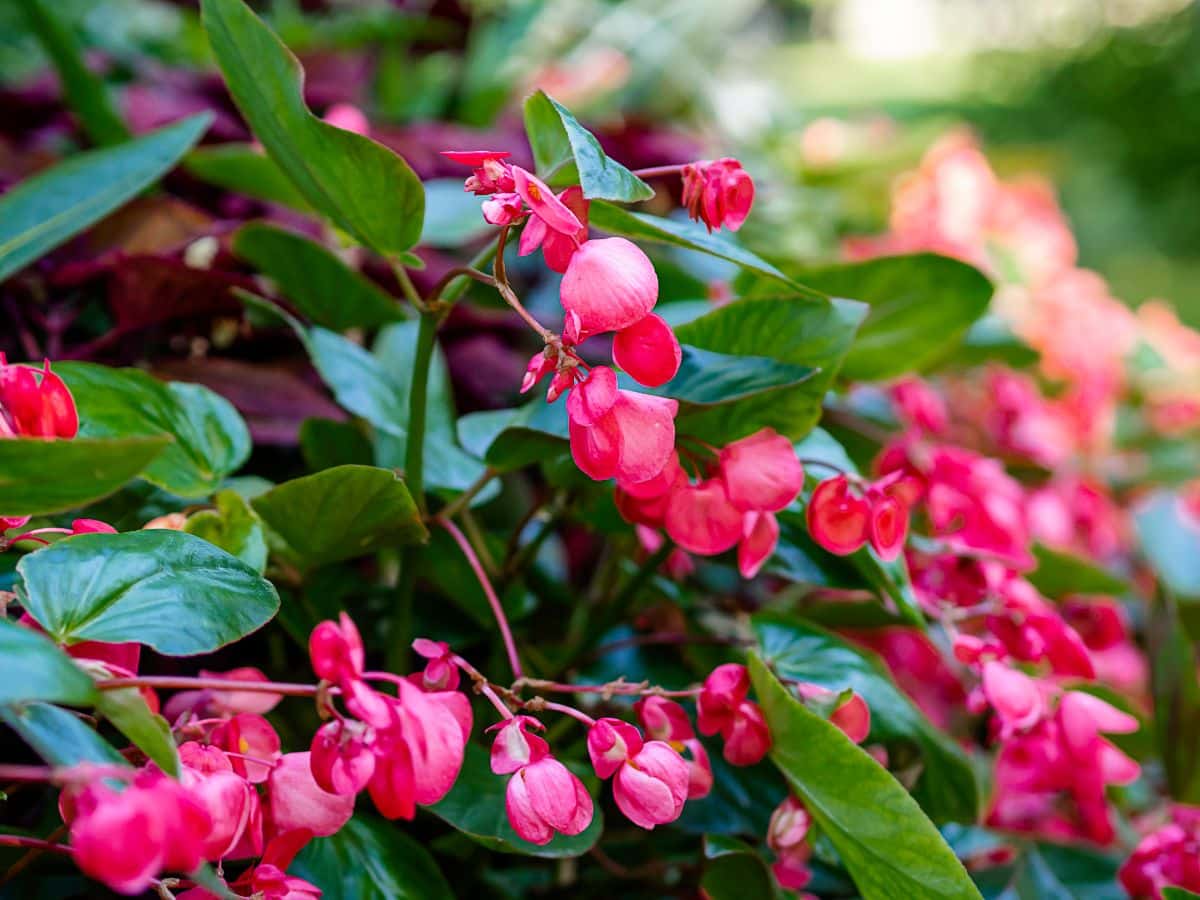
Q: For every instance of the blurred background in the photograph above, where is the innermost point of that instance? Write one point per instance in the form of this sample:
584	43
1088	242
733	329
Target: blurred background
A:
837	96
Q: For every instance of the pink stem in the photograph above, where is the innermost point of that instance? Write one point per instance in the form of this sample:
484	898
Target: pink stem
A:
657	171
81	772
468	551
17	840
570	711
500	705
179	682
613	687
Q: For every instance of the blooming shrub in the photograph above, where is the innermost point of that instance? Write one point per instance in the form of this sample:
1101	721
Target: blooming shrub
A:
888	595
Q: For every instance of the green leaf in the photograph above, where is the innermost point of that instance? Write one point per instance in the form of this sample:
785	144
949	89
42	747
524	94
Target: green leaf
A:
1178	893
371	860
127	710
799	649
58	736
363	187
340	513
741	800
1060	574
166	589
475	806
1176	693
513	438
357	380
1169	535
32	668
708	379
921	305
53	206
210	439
85	92
1054	872
989	339
452	216
325	444
38	476
735	871
690	236
234	527
566	153
884	839
317	282
788	329
244	169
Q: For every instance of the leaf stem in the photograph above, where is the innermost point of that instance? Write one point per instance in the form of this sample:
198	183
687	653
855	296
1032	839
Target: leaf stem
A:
414	457
659	171
468	551
409	289
183	682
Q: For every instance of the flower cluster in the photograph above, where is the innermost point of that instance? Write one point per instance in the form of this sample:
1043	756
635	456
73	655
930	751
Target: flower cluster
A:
843	514
1168	856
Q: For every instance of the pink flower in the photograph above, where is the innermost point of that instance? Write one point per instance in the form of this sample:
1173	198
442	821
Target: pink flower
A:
648	350
723	708
297	801
35	407
503	209
651	784
919	406
342	756
718	193
837	519
251	744
545	204
610	743
336	650
491	175
619	433
887	526
441	672
702	519
231	802
665	720
557	247
347	117
760	534
543	796
1014	696
762	472
787	835
852	716
1164	857
609	285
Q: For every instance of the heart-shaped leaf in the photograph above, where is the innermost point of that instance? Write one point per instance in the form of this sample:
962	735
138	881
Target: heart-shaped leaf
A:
210	439
38	476
340	513
166	589
885	841
565	153
363	187
32	668
46	210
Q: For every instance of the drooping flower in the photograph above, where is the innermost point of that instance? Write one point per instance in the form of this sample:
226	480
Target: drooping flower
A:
297	801
441	672
838	520
852	715
1014	696
619	433
35	404
609	285
665	720
492	175
648	350
761	471
557	246
787	835
718	193
724	708
336	650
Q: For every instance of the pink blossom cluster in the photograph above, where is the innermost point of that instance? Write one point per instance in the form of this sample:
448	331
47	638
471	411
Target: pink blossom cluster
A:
1167	856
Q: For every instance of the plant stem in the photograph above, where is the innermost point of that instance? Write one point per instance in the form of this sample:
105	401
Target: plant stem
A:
468	551
611	689
414	457
19	840
459	503
657	171
571	711
181	682
455	284
409	289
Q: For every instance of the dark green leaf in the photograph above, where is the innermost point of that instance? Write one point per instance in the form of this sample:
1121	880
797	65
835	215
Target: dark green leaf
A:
1178	893
566	153
85	92
884	839
58	736
165	589
210	439
1176	693
514	438
1060	574
317	282
1053	872
39	476
708	379
244	169
340	513
452	216
475	806
790	330
32	668
325	444
363	187
734	871
921	305
44	211
989	339
690	236
234	527
127	710
358	380
799	649
371	860
741	800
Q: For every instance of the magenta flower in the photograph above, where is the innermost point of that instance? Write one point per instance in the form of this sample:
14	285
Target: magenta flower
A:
619	433
724	708
718	193
787	835
298	801
336	650
648	351
665	720
650	778
34	404
491	175
557	246
609	285
838	520
543	796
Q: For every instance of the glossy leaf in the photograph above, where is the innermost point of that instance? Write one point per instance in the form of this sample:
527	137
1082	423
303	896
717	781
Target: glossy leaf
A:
325	444
85	91
920	307
363	187
795	648
371	860
790	330
244	169
883	838
706	378
690	236
340	513
315	280
39	476
1060	574
165	589
32	668
127	710
53	206
210	440
1054	872
734	871
58	736
234	527
567	153
475	806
